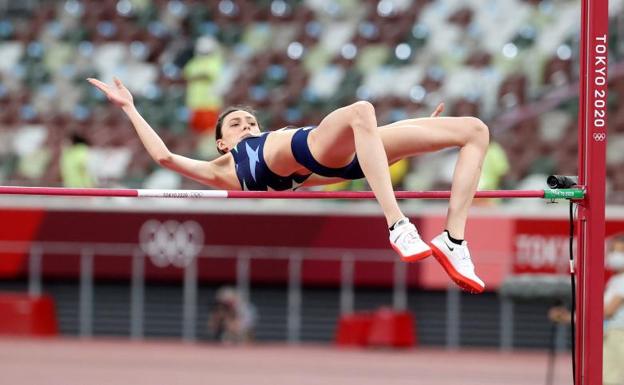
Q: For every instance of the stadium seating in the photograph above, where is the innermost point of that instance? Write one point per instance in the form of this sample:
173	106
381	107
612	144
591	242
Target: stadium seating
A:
295	61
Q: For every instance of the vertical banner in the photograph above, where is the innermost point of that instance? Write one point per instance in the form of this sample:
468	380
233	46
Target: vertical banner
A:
592	175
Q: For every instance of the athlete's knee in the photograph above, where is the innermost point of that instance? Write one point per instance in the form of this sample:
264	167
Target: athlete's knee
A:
362	115
479	133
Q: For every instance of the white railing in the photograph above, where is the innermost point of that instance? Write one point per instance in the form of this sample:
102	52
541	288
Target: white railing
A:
243	255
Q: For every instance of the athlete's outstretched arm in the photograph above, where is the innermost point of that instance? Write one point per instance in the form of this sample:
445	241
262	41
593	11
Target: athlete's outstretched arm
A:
119	95
209	173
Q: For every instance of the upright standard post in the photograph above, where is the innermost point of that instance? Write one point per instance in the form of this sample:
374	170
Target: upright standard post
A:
453	317
506	324
346	284
86	293
294	299
399	295
189	319
137	295
242	275
592	175
34	271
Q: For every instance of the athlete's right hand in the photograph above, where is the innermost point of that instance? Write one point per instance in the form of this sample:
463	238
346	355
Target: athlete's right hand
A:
438	110
117	93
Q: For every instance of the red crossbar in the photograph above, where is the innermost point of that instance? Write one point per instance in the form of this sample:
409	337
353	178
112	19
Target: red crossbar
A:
100	192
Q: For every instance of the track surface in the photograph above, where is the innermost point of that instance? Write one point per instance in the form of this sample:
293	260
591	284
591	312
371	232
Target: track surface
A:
102	362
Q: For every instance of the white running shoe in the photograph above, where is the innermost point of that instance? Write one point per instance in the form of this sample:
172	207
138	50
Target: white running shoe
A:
455	259
406	241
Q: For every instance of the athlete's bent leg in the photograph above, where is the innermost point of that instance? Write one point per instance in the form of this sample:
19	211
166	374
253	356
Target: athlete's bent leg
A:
353	129
410	137
414	136
466	177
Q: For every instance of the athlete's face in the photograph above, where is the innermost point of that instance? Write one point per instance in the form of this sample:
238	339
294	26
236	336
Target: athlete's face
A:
236	126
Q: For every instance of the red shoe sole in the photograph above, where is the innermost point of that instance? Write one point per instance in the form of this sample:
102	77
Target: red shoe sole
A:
466	284
412	258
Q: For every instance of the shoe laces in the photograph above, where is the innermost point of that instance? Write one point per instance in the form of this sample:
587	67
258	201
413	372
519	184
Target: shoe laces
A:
464	256
410	234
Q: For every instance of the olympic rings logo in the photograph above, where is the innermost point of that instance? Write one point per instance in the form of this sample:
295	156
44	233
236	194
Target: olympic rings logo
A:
600	136
171	242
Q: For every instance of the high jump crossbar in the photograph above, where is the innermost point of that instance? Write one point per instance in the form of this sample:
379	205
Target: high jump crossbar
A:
552	194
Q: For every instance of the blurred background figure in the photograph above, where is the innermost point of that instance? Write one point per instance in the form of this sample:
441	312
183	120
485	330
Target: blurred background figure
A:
202	74
614	315
495	167
613	351
559	314
75	170
34	157
233	318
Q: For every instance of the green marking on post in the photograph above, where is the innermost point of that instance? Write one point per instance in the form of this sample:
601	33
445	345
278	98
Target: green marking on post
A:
564	193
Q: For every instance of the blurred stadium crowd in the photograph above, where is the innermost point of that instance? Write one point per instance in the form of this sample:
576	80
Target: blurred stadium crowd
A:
513	63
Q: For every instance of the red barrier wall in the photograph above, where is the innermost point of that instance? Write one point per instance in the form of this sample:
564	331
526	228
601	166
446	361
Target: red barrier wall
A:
499	245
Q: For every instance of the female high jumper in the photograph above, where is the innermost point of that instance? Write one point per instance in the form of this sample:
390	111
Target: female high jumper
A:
346	144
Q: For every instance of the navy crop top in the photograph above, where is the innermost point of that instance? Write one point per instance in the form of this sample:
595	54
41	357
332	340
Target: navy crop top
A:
252	171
